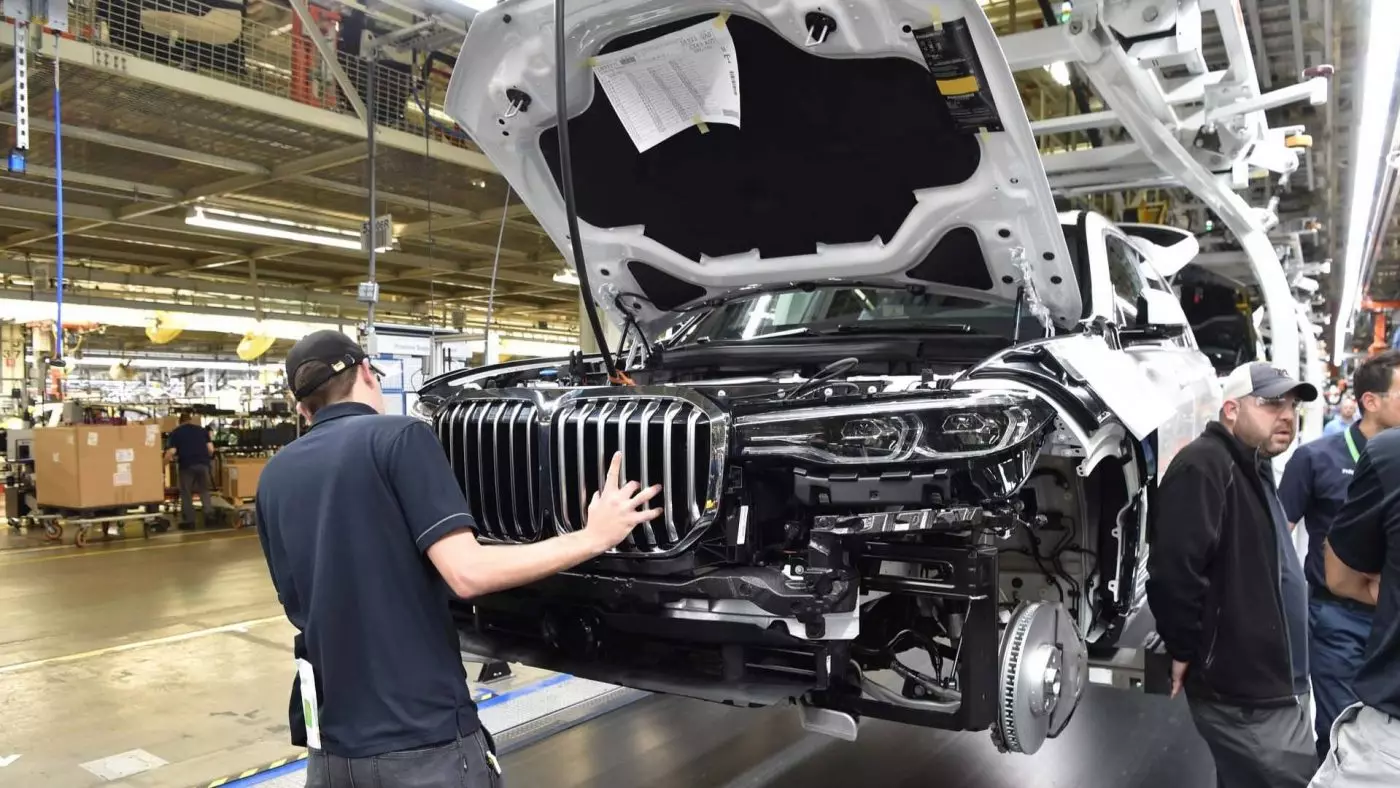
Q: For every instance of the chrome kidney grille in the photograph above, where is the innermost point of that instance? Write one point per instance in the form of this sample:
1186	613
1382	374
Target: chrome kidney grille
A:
493	445
529	465
663	441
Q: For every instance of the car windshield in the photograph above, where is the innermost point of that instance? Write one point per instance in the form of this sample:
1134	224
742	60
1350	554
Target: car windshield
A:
837	310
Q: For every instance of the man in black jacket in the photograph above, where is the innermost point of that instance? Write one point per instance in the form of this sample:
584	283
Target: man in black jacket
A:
1226	586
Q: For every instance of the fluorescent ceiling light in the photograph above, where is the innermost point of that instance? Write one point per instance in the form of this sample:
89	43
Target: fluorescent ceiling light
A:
566	277
273	227
479	5
1382	51
1059	72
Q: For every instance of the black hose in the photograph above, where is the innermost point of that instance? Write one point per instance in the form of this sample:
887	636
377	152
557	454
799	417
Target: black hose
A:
566	170
831	370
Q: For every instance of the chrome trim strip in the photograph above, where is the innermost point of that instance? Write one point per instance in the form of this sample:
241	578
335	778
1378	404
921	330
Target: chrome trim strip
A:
691	498
514	499
650	410
668	423
622	436
561	476
496	469
530	516
582	475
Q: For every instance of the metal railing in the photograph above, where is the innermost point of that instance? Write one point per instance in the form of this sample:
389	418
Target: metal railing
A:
219	39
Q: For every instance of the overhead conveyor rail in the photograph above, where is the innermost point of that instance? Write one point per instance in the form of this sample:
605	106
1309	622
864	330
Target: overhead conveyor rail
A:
1187	126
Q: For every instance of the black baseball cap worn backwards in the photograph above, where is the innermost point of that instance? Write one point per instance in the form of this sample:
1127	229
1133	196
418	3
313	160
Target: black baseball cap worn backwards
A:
337	351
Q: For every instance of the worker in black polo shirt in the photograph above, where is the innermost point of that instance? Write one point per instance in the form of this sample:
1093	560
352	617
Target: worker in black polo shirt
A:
1313	489
1363	563
189	445
366	533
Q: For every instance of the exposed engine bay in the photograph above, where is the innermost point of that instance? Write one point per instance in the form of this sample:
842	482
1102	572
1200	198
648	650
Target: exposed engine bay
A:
858	543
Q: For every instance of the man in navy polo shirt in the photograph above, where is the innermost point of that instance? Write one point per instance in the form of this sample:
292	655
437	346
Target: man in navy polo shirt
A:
366	533
1313	489
1363	563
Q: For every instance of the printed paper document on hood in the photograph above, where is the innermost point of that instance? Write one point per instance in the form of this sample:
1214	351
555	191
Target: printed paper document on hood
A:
667	85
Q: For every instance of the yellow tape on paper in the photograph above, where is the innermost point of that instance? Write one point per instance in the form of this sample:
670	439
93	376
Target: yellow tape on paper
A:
961	86
702	125
593	62
721	19
936	14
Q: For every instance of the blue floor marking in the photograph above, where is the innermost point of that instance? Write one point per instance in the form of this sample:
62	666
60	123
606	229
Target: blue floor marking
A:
493	700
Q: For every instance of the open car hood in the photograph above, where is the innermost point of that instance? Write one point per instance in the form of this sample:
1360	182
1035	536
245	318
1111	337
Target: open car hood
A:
876	141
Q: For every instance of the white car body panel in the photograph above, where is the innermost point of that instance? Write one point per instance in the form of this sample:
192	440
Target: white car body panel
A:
1007	201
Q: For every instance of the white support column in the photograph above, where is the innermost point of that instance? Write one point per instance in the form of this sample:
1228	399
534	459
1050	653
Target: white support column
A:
1119	83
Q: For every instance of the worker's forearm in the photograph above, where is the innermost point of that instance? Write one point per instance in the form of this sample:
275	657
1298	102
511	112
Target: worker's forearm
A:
1346	582
487	569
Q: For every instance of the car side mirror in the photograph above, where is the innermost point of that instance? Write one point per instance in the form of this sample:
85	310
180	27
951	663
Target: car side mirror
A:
1159	316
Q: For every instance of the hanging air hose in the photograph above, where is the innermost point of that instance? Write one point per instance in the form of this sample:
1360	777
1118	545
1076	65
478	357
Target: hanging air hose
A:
566	168
58	179
496	267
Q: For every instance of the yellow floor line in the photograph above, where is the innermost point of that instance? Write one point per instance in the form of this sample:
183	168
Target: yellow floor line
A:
199	633
89	552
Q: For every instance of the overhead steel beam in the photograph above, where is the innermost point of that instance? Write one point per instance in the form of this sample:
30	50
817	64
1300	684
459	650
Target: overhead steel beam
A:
86	55
311	30
1261	57
266	291
123	142
310	164
1107	157
1037	48
122	187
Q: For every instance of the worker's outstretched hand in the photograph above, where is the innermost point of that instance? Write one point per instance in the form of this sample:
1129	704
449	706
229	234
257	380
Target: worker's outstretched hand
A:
615	510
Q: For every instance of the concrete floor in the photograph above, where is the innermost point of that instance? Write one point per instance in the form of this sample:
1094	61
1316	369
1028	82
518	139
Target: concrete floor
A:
175	646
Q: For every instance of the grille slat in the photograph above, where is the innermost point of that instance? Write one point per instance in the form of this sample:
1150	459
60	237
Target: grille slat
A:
668	479
527	463
498	488
490	446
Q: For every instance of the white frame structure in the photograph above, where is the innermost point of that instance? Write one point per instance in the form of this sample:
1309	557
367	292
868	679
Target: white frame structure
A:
1162	116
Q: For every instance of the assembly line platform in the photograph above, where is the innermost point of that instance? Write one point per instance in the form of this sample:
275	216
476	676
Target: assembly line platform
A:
623	739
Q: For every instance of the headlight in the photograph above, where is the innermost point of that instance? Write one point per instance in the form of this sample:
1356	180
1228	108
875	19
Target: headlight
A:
896	431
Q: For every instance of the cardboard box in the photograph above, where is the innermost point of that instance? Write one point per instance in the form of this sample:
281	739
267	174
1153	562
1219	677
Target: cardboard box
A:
98	465
240	476
169	423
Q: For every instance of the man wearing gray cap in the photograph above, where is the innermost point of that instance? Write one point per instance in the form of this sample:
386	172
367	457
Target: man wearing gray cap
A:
1227	590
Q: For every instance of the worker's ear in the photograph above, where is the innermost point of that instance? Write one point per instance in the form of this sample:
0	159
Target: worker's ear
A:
301	411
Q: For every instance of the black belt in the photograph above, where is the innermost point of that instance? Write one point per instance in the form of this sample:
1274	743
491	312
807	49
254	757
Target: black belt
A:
1323	595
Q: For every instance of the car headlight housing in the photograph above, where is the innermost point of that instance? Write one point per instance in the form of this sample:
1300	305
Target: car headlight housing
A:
898	430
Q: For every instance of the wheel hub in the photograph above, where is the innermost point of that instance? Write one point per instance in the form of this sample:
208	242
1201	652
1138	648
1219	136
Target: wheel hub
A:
1044	664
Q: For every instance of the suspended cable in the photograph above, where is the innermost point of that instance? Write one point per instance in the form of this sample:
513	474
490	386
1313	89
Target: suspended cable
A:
496	264
566	168
58	179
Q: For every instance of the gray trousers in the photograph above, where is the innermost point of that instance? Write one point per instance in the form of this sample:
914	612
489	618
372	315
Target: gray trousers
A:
1258	748
464	763
1365	751
194	479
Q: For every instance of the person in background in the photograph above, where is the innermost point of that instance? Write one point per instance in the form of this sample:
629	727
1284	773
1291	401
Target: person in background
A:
1344	418
190	446
1313	489
1362	557
1226	587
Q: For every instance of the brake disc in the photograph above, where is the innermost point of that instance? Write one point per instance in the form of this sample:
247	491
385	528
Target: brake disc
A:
1044	665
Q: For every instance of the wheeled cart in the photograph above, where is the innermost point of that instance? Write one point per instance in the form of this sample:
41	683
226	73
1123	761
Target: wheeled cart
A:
58	521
